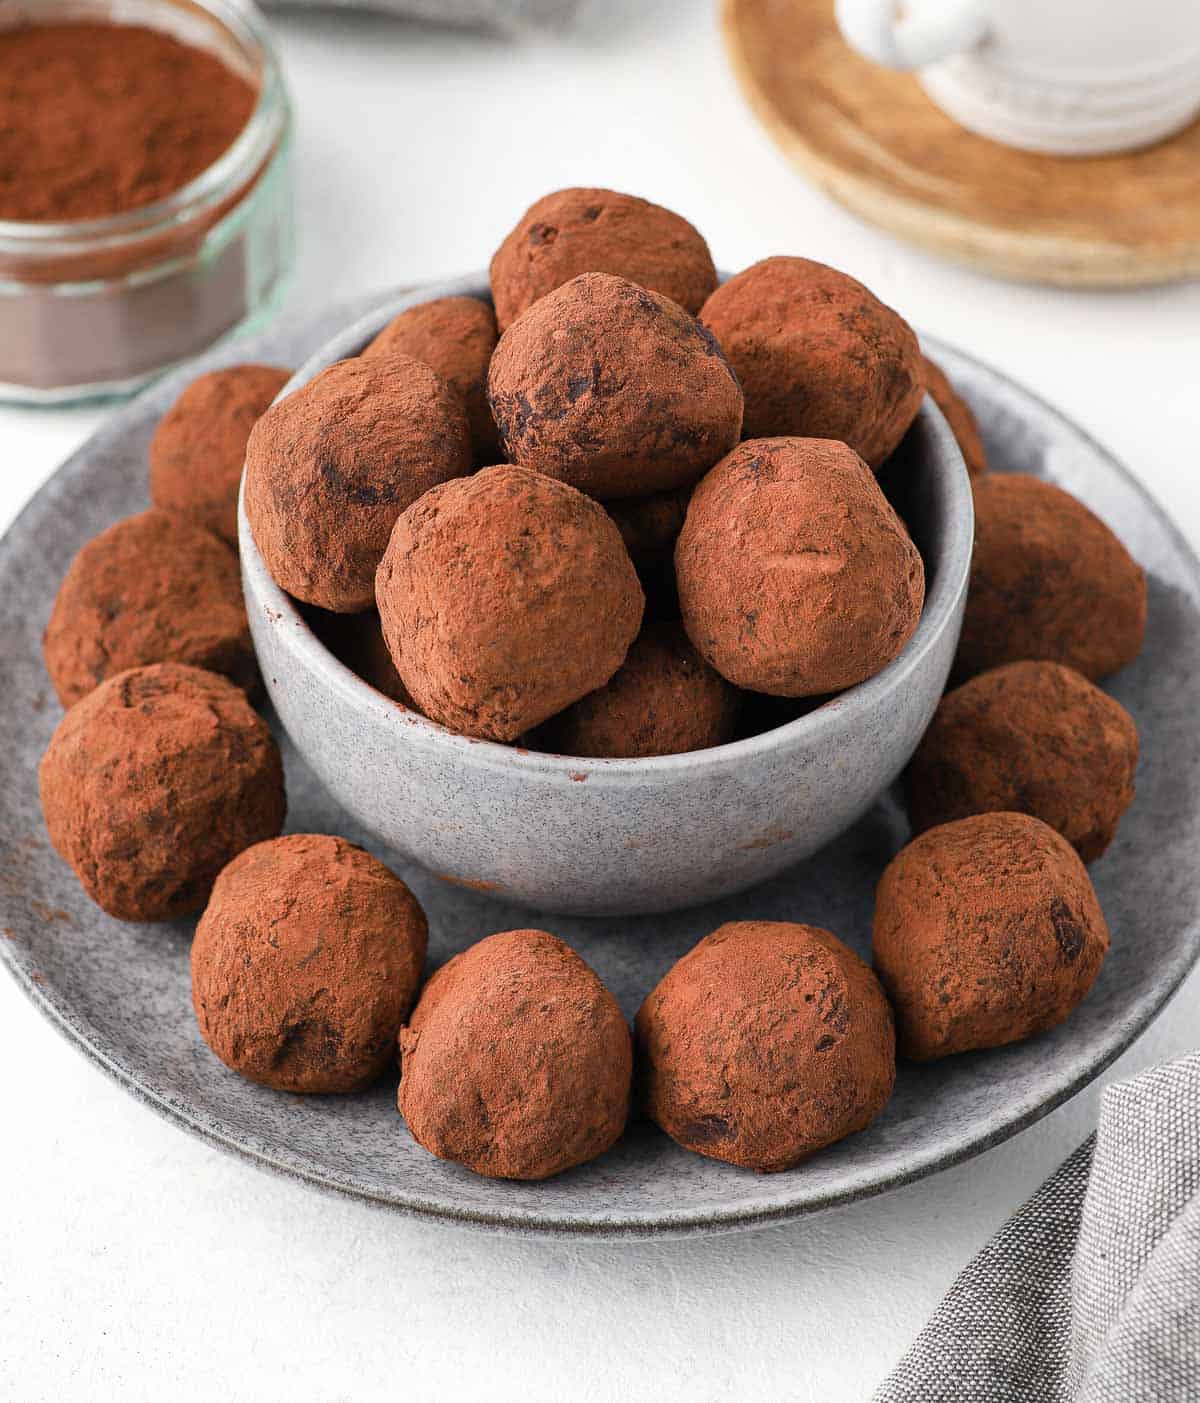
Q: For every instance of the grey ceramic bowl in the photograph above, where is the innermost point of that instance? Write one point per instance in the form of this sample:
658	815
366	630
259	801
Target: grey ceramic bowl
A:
616	837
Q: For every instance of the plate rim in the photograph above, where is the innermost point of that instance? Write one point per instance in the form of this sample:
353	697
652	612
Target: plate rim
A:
540	1224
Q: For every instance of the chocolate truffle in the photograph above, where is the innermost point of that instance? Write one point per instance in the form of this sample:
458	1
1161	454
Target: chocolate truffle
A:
986	931
331	467
456	336
614	389
153	588
1048	581
1034	738
504	598
818	356
664	699
958	415
153	782
599	231
650	526
199	447
305	963
765	1043
795	575
516	1061
357	640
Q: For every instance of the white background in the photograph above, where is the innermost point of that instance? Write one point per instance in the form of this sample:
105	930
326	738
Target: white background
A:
137	1263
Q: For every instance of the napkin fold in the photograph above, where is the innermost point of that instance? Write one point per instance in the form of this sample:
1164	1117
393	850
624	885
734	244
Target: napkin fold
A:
1091	1292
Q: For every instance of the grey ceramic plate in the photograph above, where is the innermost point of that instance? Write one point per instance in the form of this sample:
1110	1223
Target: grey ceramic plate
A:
121	992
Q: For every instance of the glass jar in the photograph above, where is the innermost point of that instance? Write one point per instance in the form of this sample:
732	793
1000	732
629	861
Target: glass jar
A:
97	307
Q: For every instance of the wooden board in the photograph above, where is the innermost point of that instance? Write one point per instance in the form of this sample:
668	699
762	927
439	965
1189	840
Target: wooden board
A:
875	142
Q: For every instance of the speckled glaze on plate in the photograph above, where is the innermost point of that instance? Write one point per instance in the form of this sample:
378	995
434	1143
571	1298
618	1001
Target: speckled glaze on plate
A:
121	992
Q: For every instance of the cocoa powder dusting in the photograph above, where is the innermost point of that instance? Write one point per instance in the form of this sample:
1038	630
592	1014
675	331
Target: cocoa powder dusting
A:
614	389
96	119
1032	737
959	416
599	231
199	447
664	699
1049	580
152	588
823	586
986	931
305	963
330	468
153	782
504	598
766	1042
517	1061
456	336
818	356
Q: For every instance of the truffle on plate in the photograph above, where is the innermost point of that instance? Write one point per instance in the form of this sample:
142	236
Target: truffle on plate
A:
1035	738
664	699
152	588
959	416
305	963
504	598
765	1043
199	447
331	467
516	1061
599	231
1049	581
614	389
153	782
818	356
987	931
456	336
824	587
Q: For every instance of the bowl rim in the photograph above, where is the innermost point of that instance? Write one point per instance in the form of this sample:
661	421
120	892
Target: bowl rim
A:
950	578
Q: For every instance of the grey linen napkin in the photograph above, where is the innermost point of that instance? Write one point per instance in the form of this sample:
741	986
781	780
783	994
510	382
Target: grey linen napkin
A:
507	16
1091	1292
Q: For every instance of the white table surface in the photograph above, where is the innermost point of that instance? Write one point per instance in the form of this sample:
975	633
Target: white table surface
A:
136	1262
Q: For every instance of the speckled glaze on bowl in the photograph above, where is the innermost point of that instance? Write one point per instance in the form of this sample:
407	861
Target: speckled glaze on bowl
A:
617	837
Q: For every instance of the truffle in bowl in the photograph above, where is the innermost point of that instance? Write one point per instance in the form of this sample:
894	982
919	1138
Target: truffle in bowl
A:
619	836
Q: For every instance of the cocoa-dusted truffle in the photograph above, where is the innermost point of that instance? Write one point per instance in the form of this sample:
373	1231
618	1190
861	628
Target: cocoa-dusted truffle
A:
765	1043
456	336
795	575
958	415
331	467
664	699
818	356
516	1061
305	963
650	526
504	598
357	640
1048	580
153	782
199	447
599	231
986	931
153	588
614	389
1036	738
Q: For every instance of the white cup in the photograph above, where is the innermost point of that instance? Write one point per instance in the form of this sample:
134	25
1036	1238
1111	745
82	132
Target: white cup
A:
1069	77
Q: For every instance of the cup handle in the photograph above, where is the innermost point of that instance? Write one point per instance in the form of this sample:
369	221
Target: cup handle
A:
933	33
